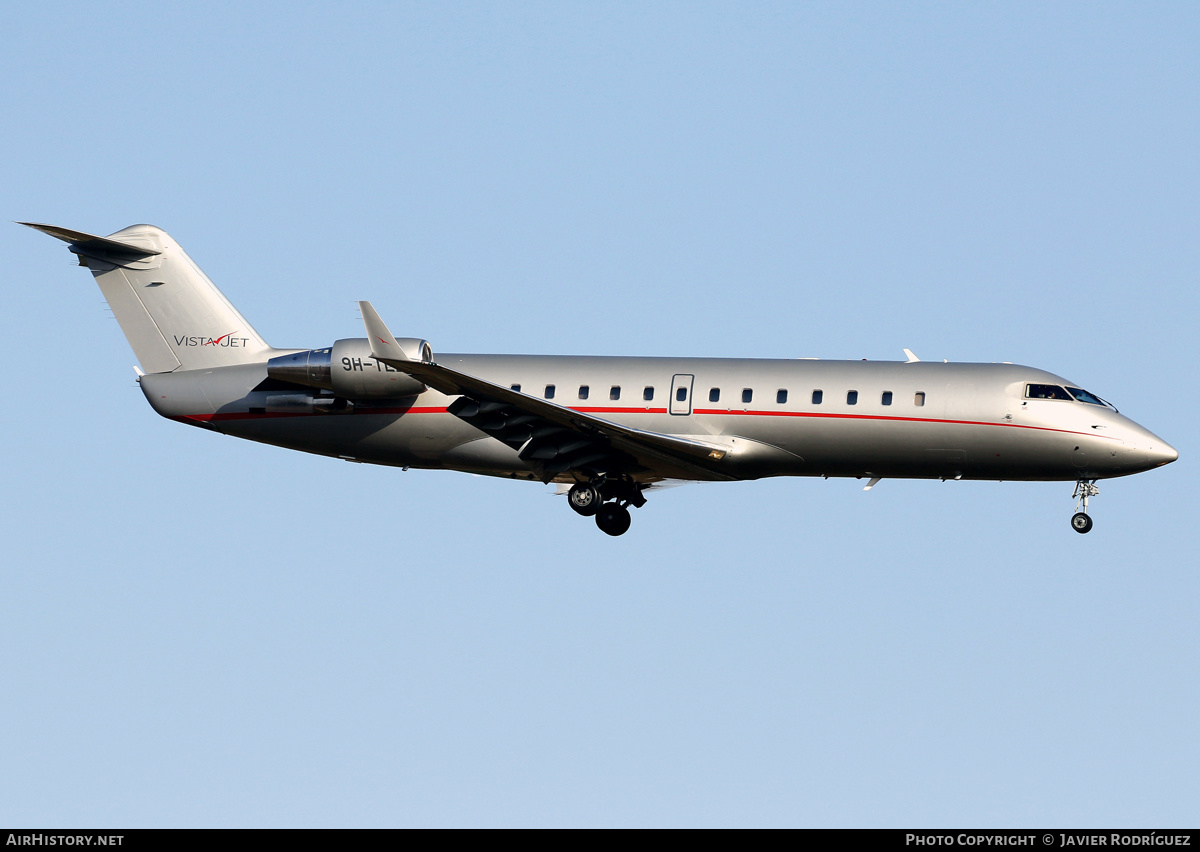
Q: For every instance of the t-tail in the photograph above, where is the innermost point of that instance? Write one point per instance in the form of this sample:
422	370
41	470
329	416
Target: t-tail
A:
173	316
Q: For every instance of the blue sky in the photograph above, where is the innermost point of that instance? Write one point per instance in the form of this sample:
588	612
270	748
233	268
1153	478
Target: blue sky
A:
202	631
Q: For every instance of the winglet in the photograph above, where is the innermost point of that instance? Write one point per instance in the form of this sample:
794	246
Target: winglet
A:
912	359
383	343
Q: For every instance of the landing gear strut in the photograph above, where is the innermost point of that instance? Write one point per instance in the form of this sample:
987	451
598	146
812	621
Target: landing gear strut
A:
1084	489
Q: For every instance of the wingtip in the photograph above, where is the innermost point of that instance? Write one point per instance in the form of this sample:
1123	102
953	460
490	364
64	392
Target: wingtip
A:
383	342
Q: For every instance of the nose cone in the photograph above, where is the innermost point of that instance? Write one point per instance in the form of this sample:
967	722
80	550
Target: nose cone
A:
1164	454
1149	451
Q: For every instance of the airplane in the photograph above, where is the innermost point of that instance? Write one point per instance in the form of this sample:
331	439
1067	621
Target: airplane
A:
605	429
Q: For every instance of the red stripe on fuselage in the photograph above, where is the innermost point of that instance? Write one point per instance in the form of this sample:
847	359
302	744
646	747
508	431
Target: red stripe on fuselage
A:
618	410
205	418
886	417
274	415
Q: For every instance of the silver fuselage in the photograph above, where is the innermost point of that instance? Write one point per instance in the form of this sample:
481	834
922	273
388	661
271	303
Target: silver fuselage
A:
604	428
975	421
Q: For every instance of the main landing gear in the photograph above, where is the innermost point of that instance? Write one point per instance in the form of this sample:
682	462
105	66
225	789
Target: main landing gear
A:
1084	488
585	499
612	517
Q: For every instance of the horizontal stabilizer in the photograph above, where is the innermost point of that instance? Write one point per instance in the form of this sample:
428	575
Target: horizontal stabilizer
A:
91	241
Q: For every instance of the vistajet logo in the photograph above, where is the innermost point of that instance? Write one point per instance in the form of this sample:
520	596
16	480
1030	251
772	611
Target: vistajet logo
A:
227	341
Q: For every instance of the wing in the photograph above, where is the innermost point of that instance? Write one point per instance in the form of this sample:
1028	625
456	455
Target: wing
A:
552	439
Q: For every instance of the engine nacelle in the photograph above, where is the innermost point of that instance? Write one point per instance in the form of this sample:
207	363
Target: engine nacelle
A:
357	375
348	369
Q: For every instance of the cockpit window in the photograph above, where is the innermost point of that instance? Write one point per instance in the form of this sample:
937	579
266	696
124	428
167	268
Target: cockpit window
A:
1046	392
1083	396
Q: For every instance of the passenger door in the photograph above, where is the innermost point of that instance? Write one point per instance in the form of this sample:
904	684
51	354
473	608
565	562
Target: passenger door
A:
681	393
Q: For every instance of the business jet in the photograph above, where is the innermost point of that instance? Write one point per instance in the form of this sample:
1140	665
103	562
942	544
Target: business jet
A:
607	430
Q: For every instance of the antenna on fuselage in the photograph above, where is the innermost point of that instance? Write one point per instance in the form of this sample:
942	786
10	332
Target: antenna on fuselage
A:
912	359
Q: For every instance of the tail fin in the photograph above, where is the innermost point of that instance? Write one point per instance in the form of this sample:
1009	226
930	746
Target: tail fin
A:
172	315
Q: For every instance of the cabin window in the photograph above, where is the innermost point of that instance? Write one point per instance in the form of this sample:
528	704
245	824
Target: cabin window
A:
517	387
781	397
851	397
919	398
648	394
614	392
714	395
817	397
549	391
887	398
1045	392
584	390
681	395
747	394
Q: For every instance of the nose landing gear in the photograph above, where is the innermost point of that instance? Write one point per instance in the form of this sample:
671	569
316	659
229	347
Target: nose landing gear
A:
1084	488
